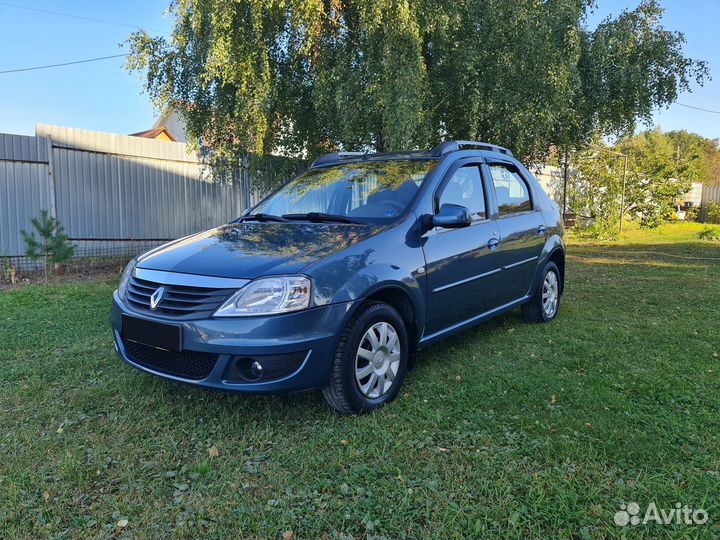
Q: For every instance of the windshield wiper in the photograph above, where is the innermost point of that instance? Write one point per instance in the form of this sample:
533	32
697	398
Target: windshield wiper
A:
321	217
261	217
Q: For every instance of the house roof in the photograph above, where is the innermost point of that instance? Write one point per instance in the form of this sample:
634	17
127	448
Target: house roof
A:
154	133
173	122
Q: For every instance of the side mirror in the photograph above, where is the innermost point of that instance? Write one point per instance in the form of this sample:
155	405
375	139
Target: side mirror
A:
451	216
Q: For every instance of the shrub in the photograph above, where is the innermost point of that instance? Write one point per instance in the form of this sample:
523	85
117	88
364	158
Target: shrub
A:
713	212
598	230
8	270
651	219
692	214
709	233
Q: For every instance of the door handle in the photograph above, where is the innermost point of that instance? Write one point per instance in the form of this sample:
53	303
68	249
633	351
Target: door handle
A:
493	243
541	229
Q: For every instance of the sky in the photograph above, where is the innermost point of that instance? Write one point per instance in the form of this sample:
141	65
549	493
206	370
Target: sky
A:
103	96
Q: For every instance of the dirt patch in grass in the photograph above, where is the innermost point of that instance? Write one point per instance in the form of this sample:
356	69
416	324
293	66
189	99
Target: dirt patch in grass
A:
79	271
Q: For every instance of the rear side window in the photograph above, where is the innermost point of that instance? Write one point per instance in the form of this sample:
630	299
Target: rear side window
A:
513	194
465	189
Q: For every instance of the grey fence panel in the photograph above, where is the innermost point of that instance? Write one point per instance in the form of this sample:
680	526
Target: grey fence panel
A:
24	188
23	148
114	194
110	143
110	190
24	192
709	193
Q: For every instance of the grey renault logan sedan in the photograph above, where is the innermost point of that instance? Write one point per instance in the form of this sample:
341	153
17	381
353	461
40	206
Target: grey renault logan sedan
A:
337	279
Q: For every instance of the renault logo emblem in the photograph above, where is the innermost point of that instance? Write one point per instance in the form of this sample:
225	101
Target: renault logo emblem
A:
156	297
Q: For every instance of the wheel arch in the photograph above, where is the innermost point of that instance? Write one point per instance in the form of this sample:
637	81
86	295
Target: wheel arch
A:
397	296
558	257
554	251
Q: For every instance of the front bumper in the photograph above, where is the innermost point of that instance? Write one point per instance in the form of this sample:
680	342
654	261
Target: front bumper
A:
306	339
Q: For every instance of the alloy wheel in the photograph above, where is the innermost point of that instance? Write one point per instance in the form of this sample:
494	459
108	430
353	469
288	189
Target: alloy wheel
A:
377	360
550	294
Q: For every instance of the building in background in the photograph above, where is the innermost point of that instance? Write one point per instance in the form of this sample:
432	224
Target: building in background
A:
693	198
173	124
158	134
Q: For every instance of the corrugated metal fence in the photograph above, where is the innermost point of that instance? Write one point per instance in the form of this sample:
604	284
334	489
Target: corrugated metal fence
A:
25	188
709	193
109	190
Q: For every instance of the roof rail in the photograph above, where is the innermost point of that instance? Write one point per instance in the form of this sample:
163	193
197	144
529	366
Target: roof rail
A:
453	146
335	157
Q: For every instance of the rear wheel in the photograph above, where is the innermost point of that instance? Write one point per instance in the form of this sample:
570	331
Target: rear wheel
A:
370	362
545	303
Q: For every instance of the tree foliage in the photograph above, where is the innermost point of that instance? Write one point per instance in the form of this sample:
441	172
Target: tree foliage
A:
657	176
595	191
307	76
698	158
661	169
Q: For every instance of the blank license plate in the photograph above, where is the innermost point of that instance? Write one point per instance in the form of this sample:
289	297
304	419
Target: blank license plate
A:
155	334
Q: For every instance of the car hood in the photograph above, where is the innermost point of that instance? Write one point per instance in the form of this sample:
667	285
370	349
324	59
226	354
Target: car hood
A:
250	250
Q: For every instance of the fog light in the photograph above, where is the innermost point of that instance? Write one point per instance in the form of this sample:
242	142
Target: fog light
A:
248	369
256	369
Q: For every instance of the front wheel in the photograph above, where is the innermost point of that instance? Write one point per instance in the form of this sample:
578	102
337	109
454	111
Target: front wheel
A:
370	362
545	302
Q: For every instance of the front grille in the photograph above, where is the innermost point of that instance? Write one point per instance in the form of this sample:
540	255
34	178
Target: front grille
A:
178	302
187	364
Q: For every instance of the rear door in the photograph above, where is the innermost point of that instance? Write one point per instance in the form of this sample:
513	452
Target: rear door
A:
521	227
462	269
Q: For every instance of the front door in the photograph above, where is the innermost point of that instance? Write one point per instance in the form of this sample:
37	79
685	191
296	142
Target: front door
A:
462	269
521	227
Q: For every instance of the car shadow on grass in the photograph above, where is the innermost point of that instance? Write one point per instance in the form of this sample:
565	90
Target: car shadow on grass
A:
463	339
310	404
205	402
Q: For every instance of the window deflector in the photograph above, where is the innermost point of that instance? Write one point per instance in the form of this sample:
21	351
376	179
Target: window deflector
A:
513	169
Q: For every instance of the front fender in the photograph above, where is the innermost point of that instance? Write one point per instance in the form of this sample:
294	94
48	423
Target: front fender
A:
375	278
390	259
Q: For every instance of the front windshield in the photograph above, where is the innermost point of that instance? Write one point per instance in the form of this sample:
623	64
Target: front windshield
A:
375	191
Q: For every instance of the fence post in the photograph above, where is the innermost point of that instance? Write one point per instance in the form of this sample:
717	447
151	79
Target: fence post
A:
244	163
51	176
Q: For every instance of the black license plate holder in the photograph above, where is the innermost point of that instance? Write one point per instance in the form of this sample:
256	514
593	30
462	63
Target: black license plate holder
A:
152	333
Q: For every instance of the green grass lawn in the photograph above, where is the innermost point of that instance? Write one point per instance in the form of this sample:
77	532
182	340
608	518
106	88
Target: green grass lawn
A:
508	430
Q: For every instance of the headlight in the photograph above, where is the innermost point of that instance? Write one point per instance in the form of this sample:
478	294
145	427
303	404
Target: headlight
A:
122	286
267	296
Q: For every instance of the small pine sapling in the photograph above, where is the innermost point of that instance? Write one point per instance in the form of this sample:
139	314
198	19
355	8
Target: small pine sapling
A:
52	245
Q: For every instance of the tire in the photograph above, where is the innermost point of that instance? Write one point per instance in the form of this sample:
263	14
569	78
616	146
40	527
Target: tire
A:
362	381
544	305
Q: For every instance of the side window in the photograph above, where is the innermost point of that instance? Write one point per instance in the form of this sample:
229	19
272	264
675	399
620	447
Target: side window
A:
511	190
465	189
